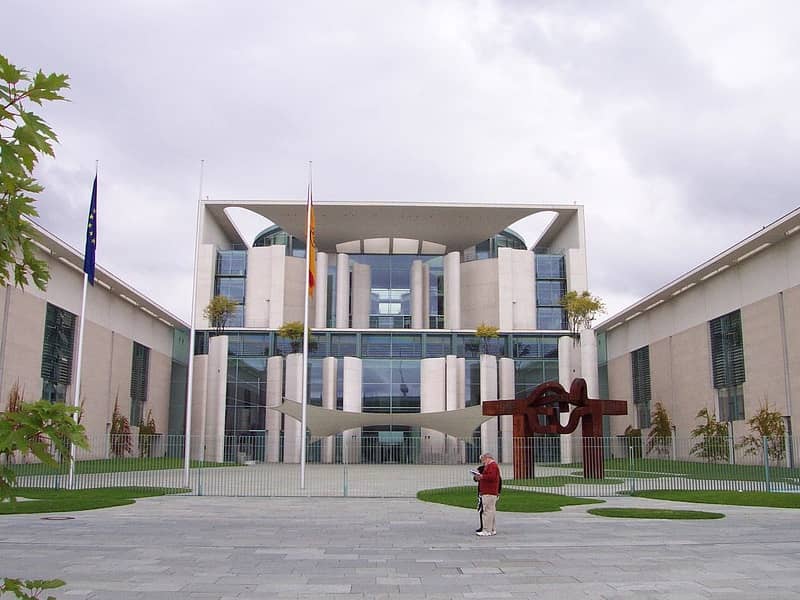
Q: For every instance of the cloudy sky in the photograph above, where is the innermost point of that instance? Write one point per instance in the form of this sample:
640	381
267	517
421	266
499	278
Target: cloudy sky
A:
675	124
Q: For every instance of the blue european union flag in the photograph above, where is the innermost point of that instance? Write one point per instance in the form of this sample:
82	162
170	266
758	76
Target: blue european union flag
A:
91	236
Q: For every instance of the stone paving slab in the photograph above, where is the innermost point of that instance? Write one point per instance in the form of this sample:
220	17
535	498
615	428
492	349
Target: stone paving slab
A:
208	548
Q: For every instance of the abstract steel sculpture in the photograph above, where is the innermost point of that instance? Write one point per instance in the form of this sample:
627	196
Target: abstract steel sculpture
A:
549	400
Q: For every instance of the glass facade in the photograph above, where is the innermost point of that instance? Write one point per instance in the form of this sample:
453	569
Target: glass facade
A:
551	285
390	369
230	280
140	375
390	303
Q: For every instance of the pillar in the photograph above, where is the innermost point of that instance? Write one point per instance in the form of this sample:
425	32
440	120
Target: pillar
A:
352	394
321	291
292	433
507	392
361	297
432	399
329	402
199	393
274	398
566	373
452	291
488	373
216	386
342	291
417	295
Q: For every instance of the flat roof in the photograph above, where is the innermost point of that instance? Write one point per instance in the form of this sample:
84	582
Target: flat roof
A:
762	239
454	225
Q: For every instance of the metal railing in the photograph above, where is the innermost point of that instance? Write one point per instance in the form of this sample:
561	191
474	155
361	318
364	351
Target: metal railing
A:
364	464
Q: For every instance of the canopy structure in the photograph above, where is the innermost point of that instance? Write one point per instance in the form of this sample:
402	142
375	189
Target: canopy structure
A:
322	422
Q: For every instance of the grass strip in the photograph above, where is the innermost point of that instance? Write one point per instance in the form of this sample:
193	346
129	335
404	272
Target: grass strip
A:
560	480
653	513
42	500
732	498
113	465
510	500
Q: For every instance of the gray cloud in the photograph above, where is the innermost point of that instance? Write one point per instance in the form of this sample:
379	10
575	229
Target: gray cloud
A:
608	104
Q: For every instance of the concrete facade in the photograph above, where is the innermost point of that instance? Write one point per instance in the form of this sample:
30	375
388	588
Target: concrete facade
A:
427	270
116	317
759	278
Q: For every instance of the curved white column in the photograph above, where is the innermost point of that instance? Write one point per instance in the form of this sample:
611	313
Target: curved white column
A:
507	392
216	387
432	398
329	402
292	438
454	394
321	291
417	294
199	394
274	397
452	291
342	291
566	373
362	283
352	401
589	362
488	374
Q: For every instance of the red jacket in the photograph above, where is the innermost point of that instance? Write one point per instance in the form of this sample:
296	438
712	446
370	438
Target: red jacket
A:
489	482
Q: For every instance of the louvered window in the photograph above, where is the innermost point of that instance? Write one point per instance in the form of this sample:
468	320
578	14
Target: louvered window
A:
59	337
727	364
727	353
139	374
640	369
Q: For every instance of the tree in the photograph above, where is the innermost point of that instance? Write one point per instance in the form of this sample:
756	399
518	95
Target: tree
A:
581	309
147	433
768	424
484	333
294	332
120	432
219	310
660	436
39	428
24	138
713	444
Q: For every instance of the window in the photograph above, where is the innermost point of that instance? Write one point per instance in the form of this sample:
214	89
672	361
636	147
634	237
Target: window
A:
727	364
59	335
640	370
140	369
231	271
551	285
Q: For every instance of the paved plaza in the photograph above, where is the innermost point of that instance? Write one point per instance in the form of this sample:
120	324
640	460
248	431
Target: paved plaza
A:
258	548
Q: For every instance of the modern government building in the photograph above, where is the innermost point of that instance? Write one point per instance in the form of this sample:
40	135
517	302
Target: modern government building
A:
396	372
401	289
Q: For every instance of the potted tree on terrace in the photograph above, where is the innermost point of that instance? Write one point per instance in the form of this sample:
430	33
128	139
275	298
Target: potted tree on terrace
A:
219	311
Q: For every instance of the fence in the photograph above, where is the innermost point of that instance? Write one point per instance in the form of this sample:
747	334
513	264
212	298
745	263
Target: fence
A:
362	464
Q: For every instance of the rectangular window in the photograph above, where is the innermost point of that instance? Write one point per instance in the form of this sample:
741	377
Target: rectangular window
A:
59	336
727	364
140	370
640	370
727	352
731	403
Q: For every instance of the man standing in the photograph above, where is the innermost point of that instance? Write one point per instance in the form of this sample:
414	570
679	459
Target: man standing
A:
489	489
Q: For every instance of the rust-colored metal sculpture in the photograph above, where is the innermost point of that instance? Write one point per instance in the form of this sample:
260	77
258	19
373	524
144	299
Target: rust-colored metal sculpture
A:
549	400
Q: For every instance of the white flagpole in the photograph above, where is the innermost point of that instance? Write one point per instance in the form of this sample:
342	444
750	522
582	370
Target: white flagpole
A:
304	385
76	399
76	402
190	372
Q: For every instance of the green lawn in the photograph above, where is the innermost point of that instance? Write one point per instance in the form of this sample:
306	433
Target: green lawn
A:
113	465
42	500
559	480
767	499
658	467
653	513
510	500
